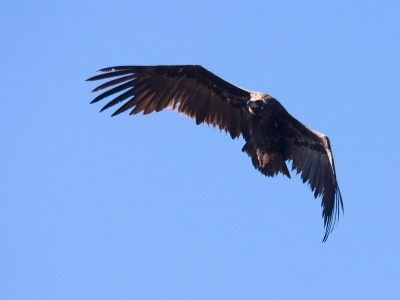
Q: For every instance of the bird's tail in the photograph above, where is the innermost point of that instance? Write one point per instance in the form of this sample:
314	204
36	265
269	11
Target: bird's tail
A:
268	164
275	165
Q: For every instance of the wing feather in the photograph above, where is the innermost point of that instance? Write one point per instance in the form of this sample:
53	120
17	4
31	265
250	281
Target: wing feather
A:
115	90
315	179
108	75
113	82
234	121
202	112
159	91
186	97
313	168
198	103
119	99
131	103
181	89
167	98
141	105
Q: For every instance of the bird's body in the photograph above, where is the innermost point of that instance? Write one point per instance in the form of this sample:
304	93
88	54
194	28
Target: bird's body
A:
272	135
269	123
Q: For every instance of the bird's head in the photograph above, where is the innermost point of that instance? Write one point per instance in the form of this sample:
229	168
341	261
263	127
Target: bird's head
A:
261	102
257	103
255	106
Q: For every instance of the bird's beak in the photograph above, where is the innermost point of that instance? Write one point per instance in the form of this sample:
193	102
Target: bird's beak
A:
251	104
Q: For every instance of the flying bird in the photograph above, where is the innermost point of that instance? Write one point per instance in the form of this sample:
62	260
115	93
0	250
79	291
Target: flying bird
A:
272	136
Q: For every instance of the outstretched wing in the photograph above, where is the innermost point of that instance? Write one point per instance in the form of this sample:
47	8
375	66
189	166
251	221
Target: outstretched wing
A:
311	154
190	89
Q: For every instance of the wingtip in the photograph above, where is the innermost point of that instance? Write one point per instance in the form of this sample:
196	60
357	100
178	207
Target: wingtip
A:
91	78
325	238
105	70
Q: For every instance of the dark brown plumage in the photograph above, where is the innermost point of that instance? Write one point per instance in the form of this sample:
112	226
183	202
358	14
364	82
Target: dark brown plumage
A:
272	135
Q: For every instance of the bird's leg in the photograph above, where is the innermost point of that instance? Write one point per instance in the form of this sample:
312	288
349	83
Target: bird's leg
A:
263	158
260	157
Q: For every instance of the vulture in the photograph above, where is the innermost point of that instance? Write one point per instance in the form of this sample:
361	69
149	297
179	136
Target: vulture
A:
272	136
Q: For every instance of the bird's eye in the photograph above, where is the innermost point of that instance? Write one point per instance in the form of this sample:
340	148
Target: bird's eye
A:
259	102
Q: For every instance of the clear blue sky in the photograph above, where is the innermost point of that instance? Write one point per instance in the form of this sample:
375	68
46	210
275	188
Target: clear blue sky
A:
155	207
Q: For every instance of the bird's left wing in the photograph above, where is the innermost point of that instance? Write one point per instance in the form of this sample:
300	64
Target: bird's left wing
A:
190	89
311	154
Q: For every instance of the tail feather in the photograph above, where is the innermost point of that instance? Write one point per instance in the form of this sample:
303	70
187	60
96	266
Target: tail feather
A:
275	165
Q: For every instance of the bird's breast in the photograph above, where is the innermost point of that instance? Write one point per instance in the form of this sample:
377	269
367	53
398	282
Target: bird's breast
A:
265	134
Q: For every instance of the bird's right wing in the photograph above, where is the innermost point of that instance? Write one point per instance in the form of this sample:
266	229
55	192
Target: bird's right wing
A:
190	89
